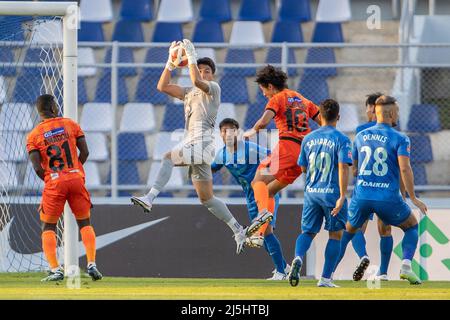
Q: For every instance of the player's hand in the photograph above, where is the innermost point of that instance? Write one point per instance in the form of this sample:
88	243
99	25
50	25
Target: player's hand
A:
190	51
337	208
169	65
249	133
419	204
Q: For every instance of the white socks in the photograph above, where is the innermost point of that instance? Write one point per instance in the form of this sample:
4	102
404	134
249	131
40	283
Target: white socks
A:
218	208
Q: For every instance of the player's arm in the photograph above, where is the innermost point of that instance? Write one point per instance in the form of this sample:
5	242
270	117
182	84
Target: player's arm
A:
84	150
35	158
407	176
355	168
261	123
164	84
194	73
402	189
314	112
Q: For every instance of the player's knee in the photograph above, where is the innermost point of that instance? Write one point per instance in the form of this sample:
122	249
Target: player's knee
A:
83	223
48	226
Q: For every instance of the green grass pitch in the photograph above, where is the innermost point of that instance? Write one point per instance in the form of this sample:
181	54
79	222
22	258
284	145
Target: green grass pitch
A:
28	286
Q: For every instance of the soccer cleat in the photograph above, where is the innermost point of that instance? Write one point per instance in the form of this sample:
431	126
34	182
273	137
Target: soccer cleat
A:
277	276
382	277
254	241
240	238
94	273
361	268
294	275
143	202
261	219
326	283
287	269
406	273
57	275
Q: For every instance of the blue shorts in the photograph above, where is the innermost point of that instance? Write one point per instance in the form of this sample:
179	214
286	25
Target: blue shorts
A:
391	213
253	210
314	213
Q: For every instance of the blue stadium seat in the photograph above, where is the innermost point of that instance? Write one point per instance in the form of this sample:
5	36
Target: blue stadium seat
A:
91	31
155	55
208	31
173	117
255	10
82	95
11	28
7	55
321	55
421	151
274	56
240	56
132	146
328	32
418	113
146	90
420	174
313	87
234	89
138	10
237	194
313	125
34	55
287	31
165	194
218	10
103	90
125	56
167	32
254	112
128	31
128	173
295	10
28	87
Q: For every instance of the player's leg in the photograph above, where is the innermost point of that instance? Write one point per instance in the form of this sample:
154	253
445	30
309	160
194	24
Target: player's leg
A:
274	188
359	241
273	247
261	190
56	272
386	246
89	241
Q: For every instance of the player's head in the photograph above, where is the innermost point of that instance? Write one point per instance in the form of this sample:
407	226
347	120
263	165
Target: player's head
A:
207	68
47	106
329	112
386	109
271	81
370	105
229	129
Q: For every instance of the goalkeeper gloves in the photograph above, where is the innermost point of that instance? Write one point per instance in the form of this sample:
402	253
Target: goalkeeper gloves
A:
169	65
190	51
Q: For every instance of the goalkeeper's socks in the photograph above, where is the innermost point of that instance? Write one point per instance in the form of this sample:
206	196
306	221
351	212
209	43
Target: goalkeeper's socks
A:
409	243
359	244
302	244
49	248
386	245
88	238
273	247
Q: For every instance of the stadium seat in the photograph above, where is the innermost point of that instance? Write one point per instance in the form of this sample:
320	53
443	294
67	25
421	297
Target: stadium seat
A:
96	117
138	10
98	146
138	117
28	87
255	10
421	151
240	56
12	146
349	118
47	31
424	111
146	90
274	55
287	31
16	117
333	11
35	55
96	11
8	173
82	94
208	31
86	56
234	89
167	32
11	28
254	112
166	141
31	180
3	89
91	31
156	55
165	194
420	174
103	90
92	174
237	193
173	117
321	55
218	10
313	125
295	10
226	110
328	32
437	140
175	11
175	181
247	32
314	88
7	55
128	31
128	173
125	56
132	146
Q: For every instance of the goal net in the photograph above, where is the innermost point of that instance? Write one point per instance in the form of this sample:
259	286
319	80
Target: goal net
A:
31	63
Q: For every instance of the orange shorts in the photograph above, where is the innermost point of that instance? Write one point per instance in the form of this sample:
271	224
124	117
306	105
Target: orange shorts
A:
282	162
57	192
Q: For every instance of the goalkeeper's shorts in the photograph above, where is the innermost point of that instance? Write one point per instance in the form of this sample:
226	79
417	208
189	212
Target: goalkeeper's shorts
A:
55	195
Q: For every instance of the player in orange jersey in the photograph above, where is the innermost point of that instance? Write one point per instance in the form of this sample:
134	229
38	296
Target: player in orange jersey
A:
291	112
52	148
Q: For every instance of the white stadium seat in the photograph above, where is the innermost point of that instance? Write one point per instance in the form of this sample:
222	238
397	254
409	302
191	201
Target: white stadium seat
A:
166	141
438	141
98	147
96	116
334	11
175	11
247	32
96	10
12	146
86	56
46	32
8	174
32	181
16	117
349	118
226	110
3	86
92	174
176	179
138	117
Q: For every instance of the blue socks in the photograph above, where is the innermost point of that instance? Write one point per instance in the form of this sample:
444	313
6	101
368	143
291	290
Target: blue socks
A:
331	256
359	244
386	246
346	238
273	247
302	244
409	243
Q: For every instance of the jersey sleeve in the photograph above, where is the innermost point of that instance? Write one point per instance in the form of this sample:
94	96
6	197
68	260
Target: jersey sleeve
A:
345	151
273	105
302	158
77	130
404	147
31	143
313	109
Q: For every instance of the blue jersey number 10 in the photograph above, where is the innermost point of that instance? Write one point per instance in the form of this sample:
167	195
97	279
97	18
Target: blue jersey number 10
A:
319	163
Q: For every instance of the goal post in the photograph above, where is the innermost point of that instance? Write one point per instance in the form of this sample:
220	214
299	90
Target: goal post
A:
69	13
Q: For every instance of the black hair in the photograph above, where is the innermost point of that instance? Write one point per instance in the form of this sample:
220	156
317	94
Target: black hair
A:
46	104
271	75
209	62
371	98
329	109
229	121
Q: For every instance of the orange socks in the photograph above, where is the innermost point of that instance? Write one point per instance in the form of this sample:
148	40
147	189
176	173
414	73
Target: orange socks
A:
261	192
88	238
49	247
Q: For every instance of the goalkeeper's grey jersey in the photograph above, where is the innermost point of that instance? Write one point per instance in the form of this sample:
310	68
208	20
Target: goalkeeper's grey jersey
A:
200	110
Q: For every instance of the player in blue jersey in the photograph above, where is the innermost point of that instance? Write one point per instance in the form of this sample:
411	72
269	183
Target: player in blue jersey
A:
381	155
241	159
325	158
